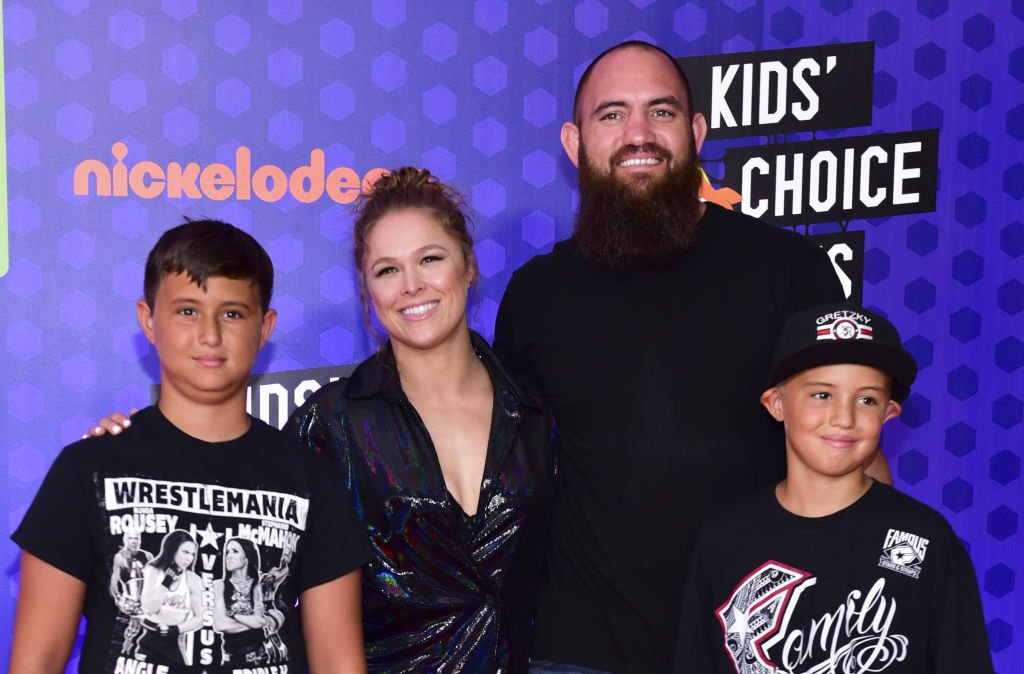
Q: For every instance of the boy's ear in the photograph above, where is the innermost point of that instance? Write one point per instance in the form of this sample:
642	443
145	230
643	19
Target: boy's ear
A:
145	314
892	410
267	329
772	401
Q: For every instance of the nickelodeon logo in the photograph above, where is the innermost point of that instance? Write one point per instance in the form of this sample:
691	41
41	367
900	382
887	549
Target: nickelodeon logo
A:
219	182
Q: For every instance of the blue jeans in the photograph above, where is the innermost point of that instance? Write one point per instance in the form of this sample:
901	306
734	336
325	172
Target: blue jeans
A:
548	667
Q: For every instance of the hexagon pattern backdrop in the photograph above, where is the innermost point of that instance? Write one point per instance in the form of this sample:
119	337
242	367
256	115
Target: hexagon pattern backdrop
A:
476	91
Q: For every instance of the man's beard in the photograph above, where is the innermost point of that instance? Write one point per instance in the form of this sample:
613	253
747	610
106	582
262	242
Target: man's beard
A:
641	222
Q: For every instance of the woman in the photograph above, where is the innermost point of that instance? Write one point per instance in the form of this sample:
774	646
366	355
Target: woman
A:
450	464
171	602
238	612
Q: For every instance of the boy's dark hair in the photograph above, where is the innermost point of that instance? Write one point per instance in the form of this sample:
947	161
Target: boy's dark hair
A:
205	248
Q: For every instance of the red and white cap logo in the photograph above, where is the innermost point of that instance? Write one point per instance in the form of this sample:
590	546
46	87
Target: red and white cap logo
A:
844	328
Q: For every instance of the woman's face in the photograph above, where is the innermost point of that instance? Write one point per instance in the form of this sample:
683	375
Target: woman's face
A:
416	277
185	555
234	556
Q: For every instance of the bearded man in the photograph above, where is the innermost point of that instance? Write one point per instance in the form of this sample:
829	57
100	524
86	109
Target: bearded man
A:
649	333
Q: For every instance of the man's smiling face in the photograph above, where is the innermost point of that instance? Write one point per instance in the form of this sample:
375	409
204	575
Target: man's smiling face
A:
634	122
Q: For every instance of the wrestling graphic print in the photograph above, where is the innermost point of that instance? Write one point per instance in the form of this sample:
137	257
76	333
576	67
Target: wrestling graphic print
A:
767	630
196	574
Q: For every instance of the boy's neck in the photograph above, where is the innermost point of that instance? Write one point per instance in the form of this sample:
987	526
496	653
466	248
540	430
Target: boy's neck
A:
219	422
808	494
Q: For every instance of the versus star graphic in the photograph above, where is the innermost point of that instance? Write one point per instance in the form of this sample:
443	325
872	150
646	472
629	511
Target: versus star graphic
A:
209	537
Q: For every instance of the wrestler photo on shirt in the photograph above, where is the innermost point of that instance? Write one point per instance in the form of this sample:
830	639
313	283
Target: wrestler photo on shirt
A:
126	583
238	605
274	608
171	603
126	576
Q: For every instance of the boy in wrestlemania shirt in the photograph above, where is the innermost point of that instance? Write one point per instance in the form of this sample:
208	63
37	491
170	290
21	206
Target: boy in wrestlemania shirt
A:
187	539
829	571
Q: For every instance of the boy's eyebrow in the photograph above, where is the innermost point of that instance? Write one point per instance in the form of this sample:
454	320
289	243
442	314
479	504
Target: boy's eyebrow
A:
192	300
873	387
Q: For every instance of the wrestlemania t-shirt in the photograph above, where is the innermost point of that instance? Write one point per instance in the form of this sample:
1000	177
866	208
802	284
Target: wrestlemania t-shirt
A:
194	553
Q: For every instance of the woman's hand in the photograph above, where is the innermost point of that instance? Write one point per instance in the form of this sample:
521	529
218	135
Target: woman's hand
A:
113	424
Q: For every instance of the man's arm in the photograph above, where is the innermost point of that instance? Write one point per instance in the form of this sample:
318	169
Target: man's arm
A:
46	622
332	625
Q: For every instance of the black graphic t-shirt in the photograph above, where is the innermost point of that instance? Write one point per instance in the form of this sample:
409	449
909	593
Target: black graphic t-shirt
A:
883	586
194	553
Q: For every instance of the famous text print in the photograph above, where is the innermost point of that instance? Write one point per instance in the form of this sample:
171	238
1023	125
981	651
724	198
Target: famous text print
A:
199	575
765	630
903	552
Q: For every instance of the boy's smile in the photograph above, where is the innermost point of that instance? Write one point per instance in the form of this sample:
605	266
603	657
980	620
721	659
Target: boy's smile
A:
206	339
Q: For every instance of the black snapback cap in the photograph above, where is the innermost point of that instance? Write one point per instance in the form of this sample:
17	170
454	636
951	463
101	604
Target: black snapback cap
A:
842	332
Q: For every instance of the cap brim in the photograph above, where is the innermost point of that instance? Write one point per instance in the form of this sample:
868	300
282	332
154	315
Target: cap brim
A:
898	364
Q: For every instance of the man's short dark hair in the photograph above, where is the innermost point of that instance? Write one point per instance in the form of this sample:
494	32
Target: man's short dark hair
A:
205	248
631	44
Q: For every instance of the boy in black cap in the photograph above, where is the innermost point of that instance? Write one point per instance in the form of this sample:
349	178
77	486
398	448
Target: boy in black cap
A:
830	571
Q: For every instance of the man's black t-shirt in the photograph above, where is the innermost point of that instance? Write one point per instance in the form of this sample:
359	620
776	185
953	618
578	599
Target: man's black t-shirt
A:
653	375
881	586
194	498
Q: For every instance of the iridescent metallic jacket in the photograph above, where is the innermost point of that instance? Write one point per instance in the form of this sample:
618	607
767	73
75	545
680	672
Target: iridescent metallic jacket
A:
445	592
